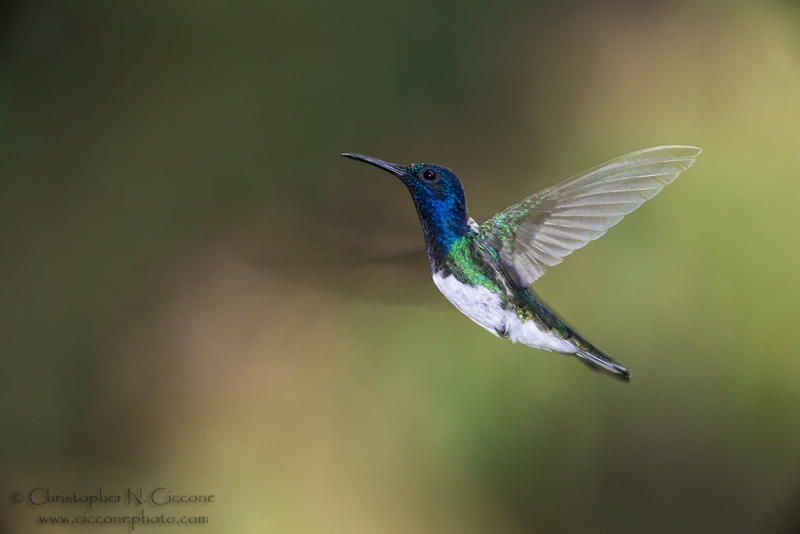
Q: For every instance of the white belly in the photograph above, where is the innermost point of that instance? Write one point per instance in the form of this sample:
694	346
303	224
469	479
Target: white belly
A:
486	309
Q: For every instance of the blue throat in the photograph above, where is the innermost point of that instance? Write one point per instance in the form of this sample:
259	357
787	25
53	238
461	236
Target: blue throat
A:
444	221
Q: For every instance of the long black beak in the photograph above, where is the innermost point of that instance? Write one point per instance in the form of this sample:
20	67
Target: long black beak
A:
397	170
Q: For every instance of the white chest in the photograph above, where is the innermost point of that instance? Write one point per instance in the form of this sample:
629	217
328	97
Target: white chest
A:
486	308
476	302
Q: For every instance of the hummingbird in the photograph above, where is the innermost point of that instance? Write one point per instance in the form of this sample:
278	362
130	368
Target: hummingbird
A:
486	270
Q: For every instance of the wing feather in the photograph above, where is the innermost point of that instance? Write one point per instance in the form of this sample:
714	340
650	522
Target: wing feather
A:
541	230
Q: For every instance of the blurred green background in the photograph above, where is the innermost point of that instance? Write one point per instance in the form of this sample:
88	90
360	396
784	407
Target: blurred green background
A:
168	166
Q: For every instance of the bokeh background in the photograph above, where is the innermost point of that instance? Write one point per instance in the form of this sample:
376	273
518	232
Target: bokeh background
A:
188	297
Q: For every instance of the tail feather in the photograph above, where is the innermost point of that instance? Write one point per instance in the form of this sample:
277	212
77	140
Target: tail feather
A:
598	361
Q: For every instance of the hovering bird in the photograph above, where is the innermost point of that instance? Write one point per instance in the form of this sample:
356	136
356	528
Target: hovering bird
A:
486	270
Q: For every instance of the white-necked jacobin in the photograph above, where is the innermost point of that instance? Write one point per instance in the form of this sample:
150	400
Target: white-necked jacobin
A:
486	270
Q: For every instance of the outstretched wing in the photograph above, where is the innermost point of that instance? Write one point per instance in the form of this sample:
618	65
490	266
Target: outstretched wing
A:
541	230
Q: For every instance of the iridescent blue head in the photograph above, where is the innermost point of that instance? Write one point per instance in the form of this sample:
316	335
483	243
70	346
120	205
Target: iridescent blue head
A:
438	197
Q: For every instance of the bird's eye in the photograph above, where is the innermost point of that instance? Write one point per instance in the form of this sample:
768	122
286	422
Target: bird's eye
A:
429	174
